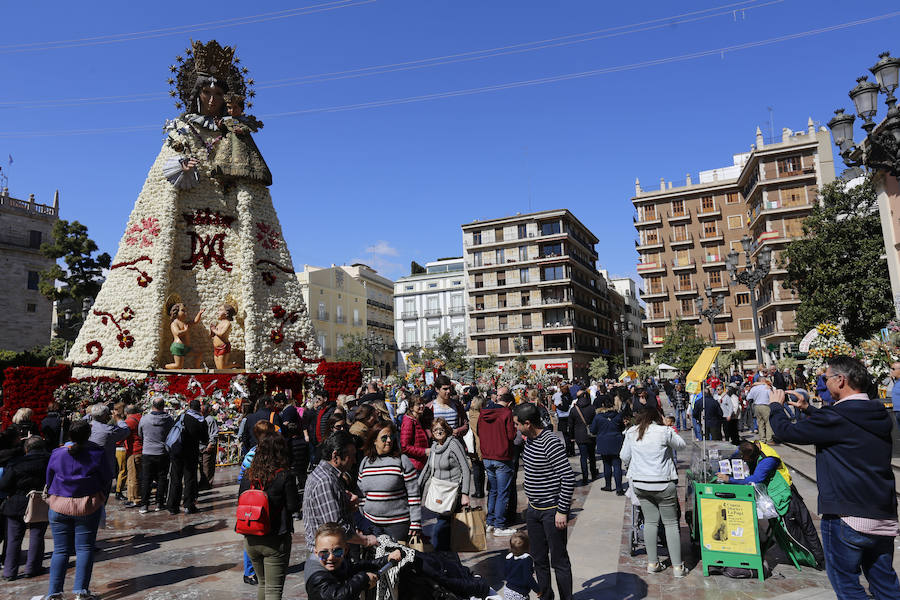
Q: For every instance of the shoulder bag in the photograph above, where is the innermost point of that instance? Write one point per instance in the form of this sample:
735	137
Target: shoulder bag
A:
587	427
37	510
440	495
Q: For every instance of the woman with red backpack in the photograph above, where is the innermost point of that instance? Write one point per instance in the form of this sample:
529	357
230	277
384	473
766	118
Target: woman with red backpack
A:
269	546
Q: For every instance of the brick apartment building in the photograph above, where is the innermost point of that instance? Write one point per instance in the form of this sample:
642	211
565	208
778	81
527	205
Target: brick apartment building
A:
534	277
686	231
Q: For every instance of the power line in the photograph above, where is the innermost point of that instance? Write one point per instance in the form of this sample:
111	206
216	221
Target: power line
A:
502	86
569	39
177	30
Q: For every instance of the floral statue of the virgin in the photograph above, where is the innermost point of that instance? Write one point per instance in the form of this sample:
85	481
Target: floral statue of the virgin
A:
203	233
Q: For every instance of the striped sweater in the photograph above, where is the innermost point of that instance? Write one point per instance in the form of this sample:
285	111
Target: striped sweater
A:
390	489
549	479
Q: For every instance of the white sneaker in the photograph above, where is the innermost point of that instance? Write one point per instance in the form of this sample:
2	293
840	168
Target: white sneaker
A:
679	571
500	532
489	529
655	567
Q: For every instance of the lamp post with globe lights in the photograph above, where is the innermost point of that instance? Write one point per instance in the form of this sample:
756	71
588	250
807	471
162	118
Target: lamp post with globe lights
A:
623	326
751	275
880	149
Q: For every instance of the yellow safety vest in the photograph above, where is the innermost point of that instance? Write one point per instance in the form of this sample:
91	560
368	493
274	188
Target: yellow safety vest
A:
782	469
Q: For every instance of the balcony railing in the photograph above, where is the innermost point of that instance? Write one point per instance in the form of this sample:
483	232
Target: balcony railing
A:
409	314
676	240
340	319
457	310
684	263
432	312
679	215
558	324
322	315
709	211
657	316
711	236
357	322
685	289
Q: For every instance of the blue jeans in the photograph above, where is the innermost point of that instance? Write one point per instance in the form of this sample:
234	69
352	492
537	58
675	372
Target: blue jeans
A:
72	535
612	467
500	477
440	532
698	435
681	420
847	551
248	566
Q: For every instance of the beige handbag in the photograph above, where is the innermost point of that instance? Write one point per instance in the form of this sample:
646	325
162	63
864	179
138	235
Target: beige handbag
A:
37	510
441	495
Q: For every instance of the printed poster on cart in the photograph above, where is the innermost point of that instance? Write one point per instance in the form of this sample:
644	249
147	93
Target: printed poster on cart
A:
728	525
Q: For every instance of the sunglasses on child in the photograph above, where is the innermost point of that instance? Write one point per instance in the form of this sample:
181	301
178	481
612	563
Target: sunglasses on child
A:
336	552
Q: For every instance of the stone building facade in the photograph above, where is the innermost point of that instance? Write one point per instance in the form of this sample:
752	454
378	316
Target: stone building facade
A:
25	318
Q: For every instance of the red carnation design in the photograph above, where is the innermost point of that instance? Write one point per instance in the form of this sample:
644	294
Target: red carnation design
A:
268	278
278	311
125	339
299	347
127	313
276	336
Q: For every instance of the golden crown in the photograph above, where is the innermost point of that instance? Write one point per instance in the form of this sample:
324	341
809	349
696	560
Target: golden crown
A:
208	60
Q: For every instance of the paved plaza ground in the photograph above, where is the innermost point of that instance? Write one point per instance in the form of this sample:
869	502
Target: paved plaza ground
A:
158	556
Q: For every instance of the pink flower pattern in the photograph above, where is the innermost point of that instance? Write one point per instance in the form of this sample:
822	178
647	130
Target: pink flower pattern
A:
142	234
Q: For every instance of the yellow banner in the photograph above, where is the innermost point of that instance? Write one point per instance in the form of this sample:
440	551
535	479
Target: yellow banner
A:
728	525
701	369
628	374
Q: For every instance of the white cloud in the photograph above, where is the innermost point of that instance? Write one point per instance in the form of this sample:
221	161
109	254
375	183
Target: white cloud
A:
382	248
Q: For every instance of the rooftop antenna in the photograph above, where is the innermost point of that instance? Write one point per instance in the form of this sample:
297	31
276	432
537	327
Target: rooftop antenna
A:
771	124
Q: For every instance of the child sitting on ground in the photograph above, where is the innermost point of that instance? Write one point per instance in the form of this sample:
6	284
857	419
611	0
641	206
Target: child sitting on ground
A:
329	573
518	571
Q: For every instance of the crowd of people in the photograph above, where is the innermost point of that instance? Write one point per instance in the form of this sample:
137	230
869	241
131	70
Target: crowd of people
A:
400	463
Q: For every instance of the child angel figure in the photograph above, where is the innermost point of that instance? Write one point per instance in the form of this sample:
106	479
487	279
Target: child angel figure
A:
237	156
181	335
219	332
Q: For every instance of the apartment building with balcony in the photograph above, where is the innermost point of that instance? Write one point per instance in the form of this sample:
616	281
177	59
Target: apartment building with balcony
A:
430	304
27	315
534	278
684	233
379	311
628	289
336	303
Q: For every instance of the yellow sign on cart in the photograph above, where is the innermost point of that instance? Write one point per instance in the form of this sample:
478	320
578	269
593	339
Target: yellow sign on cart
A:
629	375
728	525
701	369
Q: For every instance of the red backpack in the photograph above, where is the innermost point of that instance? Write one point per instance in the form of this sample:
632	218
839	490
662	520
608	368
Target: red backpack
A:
253	516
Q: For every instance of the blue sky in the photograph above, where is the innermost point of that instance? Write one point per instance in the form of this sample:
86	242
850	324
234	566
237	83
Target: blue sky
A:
393	183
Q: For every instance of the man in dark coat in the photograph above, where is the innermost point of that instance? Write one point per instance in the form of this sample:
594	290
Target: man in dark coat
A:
712	416
580	418
185	463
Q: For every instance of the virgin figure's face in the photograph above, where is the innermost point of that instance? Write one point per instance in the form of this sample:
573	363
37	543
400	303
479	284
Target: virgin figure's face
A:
212	99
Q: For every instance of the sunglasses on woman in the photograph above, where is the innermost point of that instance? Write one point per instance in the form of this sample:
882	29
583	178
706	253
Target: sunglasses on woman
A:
336	552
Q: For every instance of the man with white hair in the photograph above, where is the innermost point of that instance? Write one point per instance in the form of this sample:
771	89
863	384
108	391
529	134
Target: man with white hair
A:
105	434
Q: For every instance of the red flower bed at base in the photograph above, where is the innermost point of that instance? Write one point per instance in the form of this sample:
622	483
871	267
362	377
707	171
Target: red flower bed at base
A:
30	387
340	377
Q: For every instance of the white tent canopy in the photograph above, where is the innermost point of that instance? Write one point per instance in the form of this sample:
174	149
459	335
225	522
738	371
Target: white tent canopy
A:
665	367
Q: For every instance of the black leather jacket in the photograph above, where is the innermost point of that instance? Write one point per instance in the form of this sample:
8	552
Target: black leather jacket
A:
347	583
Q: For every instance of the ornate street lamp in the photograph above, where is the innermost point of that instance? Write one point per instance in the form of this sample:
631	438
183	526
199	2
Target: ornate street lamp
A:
751	276
714	307
880	150
623	326
375	346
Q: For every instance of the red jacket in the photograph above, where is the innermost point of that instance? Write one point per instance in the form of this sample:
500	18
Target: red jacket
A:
133	443
496	432
414	441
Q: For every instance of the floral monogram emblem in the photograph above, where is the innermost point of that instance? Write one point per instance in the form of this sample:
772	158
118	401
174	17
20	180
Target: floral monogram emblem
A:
206	250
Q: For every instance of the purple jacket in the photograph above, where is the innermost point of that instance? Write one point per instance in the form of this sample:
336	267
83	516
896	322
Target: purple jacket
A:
84	474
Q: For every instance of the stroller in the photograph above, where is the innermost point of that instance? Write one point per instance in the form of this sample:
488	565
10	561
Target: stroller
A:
638	542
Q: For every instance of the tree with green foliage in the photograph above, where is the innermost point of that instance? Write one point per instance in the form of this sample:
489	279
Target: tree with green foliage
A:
83	273
449	349
357	349
837	266
644	370
485	364
598	369
681	346
734	358
416	269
